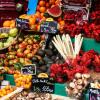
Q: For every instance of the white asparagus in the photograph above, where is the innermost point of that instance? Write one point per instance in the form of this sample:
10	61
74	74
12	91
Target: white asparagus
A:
80	46
60	51
72	49
65	47
67	44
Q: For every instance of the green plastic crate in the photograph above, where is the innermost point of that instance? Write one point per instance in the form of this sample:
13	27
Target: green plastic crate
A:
9	78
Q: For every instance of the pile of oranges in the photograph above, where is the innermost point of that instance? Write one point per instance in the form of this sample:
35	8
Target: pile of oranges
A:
9	23
23	80
6	90
36	19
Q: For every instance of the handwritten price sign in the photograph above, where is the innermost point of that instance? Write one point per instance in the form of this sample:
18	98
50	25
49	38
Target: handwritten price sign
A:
42	85
29	69
22	23
94	94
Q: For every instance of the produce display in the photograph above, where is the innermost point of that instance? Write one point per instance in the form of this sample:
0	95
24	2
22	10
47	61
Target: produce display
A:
78	84
23	80
30	96
7	36
23	50
6	90
44	54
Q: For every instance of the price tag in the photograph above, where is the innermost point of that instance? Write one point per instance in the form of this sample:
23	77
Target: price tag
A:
42	85
22	23
49	27
29	69
94	94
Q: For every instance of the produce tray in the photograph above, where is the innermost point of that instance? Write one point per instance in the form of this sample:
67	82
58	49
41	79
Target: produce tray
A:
59	88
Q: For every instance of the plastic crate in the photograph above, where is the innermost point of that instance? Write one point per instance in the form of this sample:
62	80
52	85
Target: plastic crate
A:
9	78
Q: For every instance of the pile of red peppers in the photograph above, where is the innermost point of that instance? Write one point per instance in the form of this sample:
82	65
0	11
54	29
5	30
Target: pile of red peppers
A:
81	64
90	29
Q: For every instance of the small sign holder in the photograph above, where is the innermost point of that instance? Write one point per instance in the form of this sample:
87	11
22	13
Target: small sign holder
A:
22	23
29	69
94	94
50	29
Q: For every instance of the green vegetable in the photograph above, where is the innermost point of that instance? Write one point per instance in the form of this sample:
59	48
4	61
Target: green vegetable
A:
18	66
37	37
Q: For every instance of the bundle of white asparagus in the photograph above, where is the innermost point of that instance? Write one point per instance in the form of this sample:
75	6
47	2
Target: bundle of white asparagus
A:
65	47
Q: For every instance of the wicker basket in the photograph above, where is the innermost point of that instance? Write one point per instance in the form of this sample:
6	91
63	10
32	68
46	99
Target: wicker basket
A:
6	30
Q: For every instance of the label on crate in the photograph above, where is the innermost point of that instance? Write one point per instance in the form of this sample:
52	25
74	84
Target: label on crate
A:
42	85
94	94
49	27
29	69
22	23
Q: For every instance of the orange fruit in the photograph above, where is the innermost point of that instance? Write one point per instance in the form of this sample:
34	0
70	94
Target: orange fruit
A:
42	9
37	14
42	3
32	21
62	22
12	25
6	23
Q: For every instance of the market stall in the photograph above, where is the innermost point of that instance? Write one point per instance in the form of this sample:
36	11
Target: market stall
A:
49	50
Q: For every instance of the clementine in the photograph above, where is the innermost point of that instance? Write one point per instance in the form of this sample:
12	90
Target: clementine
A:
42	9
6	23
42	3
37	14
32	21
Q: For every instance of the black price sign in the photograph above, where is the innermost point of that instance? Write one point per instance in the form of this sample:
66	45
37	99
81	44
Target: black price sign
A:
29	69
94	94
42	85
49	27
22	23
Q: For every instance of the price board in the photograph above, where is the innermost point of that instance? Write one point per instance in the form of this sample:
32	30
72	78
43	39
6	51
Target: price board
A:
49	27
94	94
42	85
22	23
29	69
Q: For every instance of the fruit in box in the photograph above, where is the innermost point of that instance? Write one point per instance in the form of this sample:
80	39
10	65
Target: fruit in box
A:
55	11
13	32
3	35
23	80
6	90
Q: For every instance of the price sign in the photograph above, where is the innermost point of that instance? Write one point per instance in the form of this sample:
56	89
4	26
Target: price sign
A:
94	94
49	27
22	23
42	85
29	69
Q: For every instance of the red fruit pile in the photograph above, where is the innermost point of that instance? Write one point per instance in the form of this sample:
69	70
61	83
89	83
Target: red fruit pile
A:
73	15
63	72
95	15
88	30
